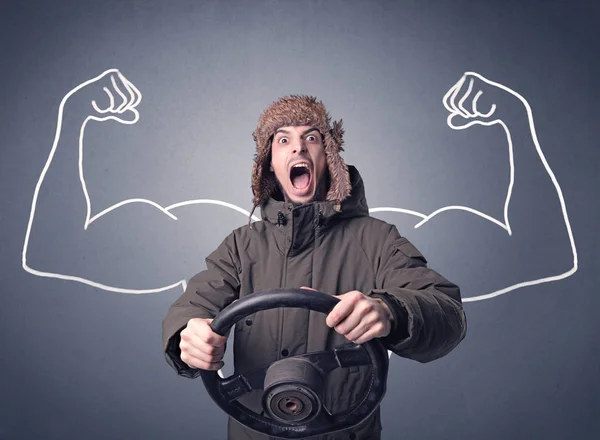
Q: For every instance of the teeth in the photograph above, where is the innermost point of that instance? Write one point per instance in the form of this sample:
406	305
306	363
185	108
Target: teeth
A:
298	165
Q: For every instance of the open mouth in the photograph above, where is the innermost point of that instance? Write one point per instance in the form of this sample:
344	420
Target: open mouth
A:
300	176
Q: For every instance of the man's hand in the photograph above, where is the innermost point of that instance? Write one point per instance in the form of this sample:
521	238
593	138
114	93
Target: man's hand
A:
359	317
200	346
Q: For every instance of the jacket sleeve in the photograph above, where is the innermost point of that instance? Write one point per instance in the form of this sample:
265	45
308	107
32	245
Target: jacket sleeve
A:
206	294
429	320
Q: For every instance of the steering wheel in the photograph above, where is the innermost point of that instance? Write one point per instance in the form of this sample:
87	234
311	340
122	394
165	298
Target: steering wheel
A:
291	396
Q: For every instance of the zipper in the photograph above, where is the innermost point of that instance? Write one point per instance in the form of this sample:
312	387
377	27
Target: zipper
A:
283	284
316	227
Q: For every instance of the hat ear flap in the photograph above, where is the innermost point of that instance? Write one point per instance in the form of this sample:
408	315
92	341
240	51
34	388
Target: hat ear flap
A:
337	133
261	160
256	178
264	183
338	170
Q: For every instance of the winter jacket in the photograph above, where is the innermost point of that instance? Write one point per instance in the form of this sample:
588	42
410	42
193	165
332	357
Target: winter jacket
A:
332	251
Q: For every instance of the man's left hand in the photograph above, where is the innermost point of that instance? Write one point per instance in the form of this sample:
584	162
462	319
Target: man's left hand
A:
360	317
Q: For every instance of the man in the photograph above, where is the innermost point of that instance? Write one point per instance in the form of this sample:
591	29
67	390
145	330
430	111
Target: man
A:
315	233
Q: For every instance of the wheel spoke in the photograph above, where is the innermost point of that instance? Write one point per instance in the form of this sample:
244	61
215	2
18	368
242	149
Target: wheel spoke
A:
234	387
350	355
324	419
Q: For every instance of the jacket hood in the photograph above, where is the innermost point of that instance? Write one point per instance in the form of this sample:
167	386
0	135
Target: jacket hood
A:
355	205
298	110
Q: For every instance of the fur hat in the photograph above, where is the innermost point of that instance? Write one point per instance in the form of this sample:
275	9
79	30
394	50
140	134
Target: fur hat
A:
296	110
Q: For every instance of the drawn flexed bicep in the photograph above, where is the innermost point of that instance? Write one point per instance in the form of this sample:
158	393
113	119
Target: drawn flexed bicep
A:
534	206
133	246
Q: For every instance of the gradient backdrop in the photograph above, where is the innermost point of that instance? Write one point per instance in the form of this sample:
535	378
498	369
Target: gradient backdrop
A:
81	362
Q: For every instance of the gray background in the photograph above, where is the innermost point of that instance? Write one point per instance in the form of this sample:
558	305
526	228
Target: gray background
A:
78	362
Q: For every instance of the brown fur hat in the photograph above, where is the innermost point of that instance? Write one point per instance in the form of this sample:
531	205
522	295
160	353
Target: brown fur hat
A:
297	110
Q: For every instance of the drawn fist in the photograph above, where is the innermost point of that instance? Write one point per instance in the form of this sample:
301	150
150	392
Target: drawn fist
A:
108	96
472	100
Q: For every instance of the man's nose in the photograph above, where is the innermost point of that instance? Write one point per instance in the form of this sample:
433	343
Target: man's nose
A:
299	146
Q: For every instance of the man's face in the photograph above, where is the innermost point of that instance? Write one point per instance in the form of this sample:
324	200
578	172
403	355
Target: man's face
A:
299	162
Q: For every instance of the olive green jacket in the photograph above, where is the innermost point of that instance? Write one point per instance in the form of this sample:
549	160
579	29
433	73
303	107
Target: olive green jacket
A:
332	251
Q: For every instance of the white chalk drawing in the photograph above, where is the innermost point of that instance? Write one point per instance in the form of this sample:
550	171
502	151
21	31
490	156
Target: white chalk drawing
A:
477	118
131	97
128	104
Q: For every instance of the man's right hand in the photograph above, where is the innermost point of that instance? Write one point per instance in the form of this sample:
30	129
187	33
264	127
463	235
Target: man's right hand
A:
200	346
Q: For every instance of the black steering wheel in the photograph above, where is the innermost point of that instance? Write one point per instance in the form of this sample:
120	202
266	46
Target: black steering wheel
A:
291	396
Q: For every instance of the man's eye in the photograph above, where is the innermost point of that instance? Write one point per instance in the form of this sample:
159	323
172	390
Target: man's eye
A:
311	137
283	140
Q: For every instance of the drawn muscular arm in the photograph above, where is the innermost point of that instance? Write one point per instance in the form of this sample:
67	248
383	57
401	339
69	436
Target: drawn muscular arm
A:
134	246
532	243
